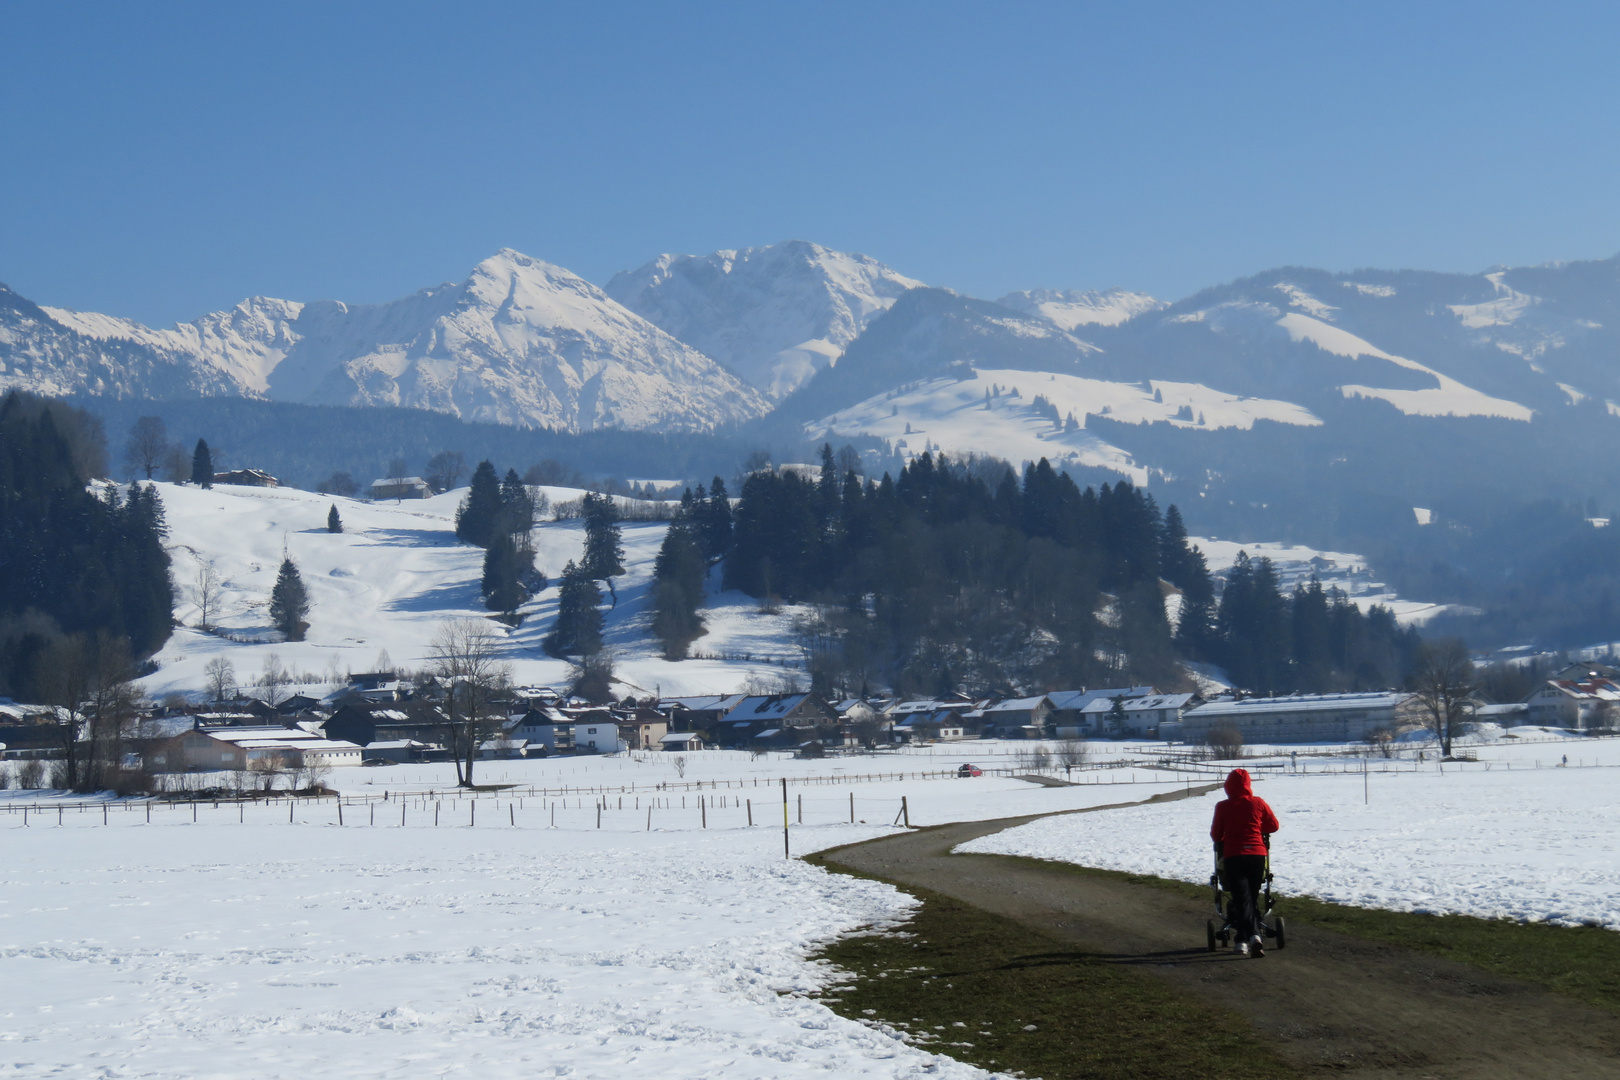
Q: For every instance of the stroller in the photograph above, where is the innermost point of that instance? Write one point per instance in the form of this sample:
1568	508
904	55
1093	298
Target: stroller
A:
1219	930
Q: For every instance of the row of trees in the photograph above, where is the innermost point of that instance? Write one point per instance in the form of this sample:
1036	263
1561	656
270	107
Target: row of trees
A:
963	575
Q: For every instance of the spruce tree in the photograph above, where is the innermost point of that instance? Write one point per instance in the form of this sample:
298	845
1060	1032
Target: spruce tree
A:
289	602
678	590
604	552
202	465
518	506
504	568
714	522
334	524
578	627
478	516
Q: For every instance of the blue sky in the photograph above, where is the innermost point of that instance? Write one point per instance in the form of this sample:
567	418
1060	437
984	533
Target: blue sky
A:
165	160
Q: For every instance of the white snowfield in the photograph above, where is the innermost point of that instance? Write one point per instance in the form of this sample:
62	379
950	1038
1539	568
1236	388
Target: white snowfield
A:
1450	398
1515	836
273	949
955	415
396	573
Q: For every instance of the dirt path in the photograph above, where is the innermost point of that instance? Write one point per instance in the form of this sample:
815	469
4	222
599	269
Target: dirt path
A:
1329	1002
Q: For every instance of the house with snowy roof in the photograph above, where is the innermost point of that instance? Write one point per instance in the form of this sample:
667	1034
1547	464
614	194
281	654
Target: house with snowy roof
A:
1579	704
1291	719
400	487
1018	718
1068	706
1135	716
366	722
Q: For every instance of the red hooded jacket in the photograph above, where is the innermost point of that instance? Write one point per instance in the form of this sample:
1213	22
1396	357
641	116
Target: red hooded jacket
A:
1242	819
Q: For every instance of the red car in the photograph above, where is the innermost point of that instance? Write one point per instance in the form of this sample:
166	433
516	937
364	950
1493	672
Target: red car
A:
969	770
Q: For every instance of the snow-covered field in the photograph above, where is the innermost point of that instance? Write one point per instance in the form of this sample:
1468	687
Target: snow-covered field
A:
271	948
1517	835
396	572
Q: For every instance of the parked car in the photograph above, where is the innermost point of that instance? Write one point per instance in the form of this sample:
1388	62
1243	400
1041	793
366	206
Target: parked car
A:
970	770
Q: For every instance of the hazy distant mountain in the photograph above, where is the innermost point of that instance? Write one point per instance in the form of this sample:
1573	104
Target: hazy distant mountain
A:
1069	308
519	342
775	315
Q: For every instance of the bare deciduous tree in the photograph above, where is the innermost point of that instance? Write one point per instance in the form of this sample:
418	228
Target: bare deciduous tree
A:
1444	680
445	470
464	657
205	594
1225	743
1073	753
90	681
220	675
148	445
679	762
274	679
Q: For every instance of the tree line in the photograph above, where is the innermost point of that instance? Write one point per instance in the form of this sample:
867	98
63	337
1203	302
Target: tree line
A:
962	575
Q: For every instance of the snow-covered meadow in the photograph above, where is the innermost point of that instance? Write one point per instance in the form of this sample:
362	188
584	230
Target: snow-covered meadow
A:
396	572
1516	835
268	941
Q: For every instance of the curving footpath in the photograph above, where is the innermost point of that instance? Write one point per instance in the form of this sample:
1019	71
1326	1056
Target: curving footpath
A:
1328	1002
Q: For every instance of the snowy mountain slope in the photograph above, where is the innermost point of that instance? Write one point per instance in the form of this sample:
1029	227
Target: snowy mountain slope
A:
775	315
1071	308
519	342
43	353
936	333
396	572
993	411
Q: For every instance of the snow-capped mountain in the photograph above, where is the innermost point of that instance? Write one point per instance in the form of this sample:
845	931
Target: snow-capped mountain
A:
775	315
1069	308
519	342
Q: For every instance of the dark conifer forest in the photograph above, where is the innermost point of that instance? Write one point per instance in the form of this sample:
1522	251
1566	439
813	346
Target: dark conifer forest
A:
73	564
962	576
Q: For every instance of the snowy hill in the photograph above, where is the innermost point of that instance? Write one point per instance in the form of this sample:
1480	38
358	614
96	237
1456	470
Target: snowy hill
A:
994	411
396	572
775	315
519	342
1069	308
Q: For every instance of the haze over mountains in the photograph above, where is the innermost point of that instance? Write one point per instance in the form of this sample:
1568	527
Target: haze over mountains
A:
798	341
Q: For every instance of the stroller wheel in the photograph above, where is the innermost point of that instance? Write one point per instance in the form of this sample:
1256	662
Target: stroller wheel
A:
1209	931
1281	933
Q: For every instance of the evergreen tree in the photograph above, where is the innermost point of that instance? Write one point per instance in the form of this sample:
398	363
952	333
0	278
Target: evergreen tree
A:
518	507
714	521
478	517
604	551
202	465
678	590
578	627
503	584
334	524
289	602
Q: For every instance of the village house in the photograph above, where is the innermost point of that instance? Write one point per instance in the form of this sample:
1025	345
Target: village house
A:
1019	718
546	731
234	749
366	722
597	732
1296	718
246	478
939	725
698	713
1579	704
400	487
643	729
1068	718
1136	716
773	720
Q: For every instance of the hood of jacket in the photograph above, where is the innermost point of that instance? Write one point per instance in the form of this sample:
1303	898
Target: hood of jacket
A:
1237	783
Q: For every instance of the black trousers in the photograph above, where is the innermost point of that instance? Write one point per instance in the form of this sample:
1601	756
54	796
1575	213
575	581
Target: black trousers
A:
1243	876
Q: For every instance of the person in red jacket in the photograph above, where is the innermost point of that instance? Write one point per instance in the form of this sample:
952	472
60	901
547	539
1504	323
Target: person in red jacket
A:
1241	830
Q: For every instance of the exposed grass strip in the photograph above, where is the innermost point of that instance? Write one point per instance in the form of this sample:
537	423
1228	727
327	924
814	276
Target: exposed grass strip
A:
1581	962
991	992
